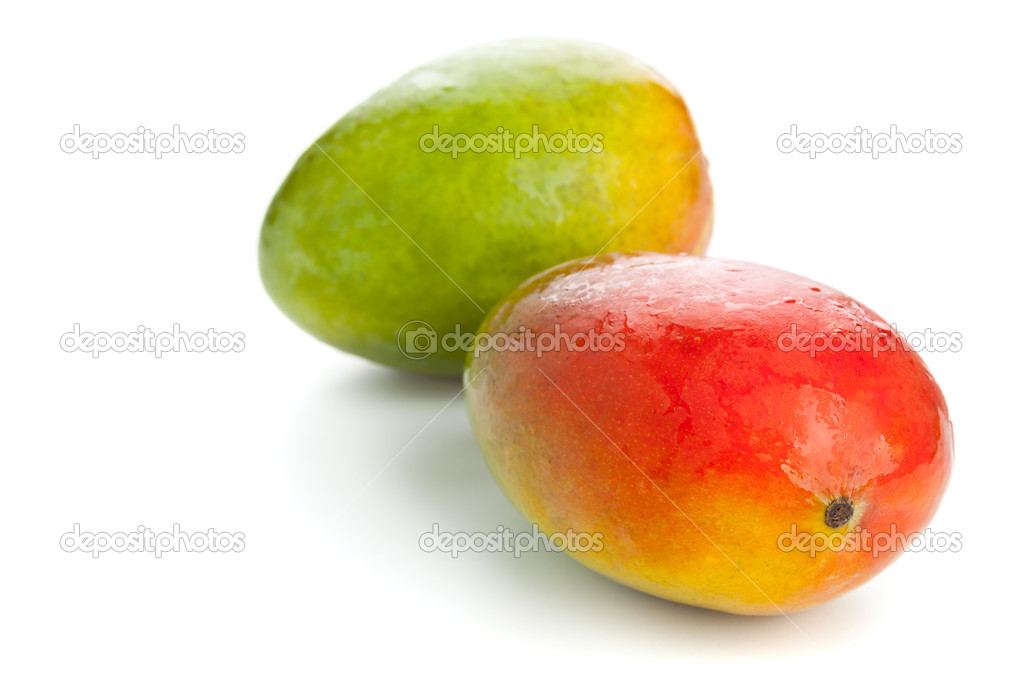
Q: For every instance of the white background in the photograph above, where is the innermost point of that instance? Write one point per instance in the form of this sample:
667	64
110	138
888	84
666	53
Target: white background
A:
280	441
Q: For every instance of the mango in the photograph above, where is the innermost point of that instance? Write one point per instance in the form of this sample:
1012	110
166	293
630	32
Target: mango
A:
404	223
728	435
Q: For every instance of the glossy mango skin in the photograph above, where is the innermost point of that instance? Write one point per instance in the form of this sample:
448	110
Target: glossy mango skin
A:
369	232
700	443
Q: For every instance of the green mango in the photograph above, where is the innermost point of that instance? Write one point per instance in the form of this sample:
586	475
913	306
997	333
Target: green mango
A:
398	228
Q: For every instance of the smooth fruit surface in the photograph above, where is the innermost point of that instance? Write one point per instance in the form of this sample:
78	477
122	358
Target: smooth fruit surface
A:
711	441
375	230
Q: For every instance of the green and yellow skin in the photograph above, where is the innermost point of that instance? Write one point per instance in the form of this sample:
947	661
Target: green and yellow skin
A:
707	444
369	232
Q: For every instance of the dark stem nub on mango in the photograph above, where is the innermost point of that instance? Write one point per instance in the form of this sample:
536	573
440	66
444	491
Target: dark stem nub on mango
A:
838	512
